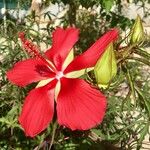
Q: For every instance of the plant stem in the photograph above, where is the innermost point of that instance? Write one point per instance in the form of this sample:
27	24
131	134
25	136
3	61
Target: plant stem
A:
142	53
142	60
53	134
131	84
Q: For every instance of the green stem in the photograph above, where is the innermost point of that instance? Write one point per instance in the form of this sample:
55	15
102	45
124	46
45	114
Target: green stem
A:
53	134
124	53
140	60
142	53
131	84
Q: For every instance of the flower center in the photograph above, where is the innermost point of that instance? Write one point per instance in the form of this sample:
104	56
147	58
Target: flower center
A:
59	75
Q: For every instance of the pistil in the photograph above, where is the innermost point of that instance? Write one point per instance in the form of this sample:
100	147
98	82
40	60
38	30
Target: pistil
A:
34	50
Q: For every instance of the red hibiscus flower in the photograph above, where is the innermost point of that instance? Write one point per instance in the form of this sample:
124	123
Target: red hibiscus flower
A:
78	104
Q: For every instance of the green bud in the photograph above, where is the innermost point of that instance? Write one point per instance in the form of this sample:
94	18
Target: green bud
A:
106	67
137	32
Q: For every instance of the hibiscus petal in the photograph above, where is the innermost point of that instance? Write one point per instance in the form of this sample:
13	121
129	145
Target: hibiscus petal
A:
63	41
38	110
89	58
28	71
79	106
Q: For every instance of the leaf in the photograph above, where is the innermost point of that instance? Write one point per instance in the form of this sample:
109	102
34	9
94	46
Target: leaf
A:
107	4
146	102
143	133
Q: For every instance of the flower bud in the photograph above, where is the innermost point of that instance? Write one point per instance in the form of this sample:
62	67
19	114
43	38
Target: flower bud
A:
137	32
106	67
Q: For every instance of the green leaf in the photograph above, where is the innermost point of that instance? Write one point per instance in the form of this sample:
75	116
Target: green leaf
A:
143	133
107	4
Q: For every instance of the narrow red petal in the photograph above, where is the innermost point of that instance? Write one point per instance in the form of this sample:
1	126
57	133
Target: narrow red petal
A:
79	106
63	41
37	110
28	71
90	57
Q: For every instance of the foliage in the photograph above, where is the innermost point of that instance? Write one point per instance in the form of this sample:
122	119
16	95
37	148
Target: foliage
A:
127	119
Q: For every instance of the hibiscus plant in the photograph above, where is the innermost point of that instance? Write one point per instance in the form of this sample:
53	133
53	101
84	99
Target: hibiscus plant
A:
79	106
63	92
